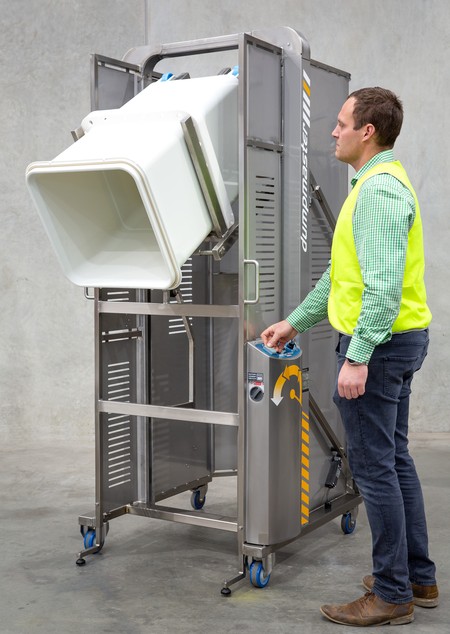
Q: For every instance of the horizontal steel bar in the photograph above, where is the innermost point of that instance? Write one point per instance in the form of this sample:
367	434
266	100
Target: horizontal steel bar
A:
87	520
267	46
209	520
170	413
264	145
120	336
116	63
224	473
339	506
206	45
181	488
170	310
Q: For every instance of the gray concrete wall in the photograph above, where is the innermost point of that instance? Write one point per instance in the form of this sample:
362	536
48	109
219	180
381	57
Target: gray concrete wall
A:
46	360
46	350
399	44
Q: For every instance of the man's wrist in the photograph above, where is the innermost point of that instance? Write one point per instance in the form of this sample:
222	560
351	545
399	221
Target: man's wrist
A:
359	350
355	363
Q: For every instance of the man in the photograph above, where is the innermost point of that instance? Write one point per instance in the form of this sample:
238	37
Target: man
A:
373	293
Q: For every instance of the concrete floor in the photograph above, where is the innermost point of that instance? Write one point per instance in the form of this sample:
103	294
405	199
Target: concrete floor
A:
160	577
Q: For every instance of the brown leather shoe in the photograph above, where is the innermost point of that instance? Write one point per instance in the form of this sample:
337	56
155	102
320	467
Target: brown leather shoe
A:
369	610
423	596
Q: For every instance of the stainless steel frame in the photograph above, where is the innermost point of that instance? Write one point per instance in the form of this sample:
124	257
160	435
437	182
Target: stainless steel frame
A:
242	280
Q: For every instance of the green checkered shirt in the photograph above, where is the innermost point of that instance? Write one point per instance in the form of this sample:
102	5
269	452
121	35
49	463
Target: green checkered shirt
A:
383	216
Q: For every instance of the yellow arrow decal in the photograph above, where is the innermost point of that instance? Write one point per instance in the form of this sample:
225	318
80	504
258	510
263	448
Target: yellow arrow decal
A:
288	372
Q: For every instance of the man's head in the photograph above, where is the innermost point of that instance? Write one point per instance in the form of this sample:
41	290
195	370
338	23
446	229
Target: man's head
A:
369	122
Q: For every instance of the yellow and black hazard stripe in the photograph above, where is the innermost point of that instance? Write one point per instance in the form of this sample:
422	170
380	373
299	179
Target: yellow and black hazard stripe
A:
304	469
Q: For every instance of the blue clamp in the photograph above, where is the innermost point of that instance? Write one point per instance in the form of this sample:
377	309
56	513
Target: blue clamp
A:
166	77
235	70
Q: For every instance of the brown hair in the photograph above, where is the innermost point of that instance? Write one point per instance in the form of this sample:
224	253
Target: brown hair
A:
383	109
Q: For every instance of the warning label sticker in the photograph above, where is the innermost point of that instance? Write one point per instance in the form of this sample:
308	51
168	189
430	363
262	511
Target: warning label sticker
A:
257	378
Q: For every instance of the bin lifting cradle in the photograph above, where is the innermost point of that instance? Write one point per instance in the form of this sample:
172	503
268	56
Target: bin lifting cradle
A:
222	190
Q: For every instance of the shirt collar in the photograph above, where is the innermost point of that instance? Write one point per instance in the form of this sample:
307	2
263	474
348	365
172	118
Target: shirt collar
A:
386	156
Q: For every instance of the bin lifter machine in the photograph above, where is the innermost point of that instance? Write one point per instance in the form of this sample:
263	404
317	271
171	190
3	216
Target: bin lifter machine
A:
185	390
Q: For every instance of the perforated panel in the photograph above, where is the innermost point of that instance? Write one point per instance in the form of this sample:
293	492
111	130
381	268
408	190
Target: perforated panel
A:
118	382
321	237
119	468
176	324
264	235
323	334
120	336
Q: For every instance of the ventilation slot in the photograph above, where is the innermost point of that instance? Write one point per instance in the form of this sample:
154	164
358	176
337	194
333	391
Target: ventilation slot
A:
321	236
117	296
176	324
119	463
119	427
265	236
119	382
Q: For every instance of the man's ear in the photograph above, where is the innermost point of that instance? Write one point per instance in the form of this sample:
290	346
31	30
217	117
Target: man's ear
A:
369	131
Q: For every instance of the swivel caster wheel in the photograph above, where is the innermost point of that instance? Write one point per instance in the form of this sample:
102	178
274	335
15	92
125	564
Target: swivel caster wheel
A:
89	538
197	501
88	534
257	576
348	524
85	529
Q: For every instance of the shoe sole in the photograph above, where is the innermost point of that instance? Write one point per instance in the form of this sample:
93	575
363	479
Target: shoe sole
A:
421	603
401	620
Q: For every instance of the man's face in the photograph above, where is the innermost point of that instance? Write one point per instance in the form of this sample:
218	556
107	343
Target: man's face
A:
349	144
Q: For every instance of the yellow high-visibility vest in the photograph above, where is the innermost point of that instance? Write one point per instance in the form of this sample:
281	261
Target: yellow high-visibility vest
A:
345	299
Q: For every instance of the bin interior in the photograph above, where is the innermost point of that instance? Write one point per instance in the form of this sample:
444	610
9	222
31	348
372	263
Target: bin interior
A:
99	225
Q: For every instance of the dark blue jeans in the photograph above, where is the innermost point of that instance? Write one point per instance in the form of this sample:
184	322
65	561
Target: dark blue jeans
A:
376	426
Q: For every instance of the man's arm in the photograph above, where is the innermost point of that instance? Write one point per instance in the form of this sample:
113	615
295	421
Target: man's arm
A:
312	310
314	307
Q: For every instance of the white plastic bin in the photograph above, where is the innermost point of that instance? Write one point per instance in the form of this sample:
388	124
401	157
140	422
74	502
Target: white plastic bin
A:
122	206
213	104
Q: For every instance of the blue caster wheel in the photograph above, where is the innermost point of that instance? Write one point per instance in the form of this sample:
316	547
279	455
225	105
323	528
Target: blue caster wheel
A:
197	501
89	538
257	576
85	529
348	524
